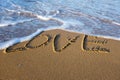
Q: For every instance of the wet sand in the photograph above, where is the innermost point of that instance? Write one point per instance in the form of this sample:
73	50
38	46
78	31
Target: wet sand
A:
61	55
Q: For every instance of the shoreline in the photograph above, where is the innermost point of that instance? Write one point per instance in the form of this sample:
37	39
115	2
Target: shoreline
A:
38	32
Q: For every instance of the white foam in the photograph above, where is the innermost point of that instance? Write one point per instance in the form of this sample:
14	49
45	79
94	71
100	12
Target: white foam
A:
43	18
7	23
116	23
3	24
31	14
17	40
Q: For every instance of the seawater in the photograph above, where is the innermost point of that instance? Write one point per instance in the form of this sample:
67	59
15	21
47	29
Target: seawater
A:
21	20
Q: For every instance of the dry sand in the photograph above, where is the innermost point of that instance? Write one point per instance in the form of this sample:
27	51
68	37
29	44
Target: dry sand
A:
61	55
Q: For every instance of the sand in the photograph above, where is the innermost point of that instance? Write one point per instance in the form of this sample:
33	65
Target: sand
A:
61	55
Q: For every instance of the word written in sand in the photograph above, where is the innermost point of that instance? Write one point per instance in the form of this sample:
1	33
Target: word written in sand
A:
94	47
31	44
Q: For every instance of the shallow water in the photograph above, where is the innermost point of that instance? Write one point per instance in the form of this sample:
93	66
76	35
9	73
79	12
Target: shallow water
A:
21	19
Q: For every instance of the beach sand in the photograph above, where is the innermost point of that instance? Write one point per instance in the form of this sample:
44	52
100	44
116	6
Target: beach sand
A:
61	55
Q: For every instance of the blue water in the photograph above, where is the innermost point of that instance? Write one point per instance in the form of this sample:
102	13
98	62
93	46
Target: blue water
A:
21	19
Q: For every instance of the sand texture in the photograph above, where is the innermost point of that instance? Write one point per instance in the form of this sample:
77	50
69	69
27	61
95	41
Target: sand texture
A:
61	55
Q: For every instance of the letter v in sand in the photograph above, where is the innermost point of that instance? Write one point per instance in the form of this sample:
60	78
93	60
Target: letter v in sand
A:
58	46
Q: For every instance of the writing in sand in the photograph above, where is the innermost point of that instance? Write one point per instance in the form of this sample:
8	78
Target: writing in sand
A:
55	41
